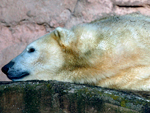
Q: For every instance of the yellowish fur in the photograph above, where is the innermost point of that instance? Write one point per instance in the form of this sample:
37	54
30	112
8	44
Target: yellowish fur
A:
113	52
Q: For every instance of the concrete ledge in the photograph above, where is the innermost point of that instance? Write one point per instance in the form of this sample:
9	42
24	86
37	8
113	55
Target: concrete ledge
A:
59	97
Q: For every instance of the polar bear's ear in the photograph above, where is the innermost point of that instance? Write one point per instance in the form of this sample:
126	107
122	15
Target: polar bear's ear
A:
64	36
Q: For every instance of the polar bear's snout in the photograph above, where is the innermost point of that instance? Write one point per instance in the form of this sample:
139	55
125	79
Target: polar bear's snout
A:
7	67
13	73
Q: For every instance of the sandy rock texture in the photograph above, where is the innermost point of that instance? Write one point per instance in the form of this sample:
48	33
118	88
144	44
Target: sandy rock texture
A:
22	21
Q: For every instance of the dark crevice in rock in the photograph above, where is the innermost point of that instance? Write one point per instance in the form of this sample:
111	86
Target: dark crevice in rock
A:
130	6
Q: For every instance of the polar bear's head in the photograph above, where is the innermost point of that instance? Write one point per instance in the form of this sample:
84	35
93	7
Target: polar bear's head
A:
41	59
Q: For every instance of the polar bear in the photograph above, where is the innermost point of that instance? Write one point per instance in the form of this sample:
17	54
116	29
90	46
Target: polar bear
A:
112	52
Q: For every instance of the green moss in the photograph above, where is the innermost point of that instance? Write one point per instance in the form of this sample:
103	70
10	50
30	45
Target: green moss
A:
85	98
123	103
15	89
31	99
114	97
49	86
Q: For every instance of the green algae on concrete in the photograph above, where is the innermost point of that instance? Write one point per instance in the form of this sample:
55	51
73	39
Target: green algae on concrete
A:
62	97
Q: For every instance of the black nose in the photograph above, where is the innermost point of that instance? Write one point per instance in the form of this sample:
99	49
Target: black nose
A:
7	66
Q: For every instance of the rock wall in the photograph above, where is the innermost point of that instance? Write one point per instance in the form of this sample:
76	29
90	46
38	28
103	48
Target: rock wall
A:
22	21
59	97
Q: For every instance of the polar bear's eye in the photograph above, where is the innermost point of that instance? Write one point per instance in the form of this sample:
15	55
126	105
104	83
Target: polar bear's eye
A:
30	50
